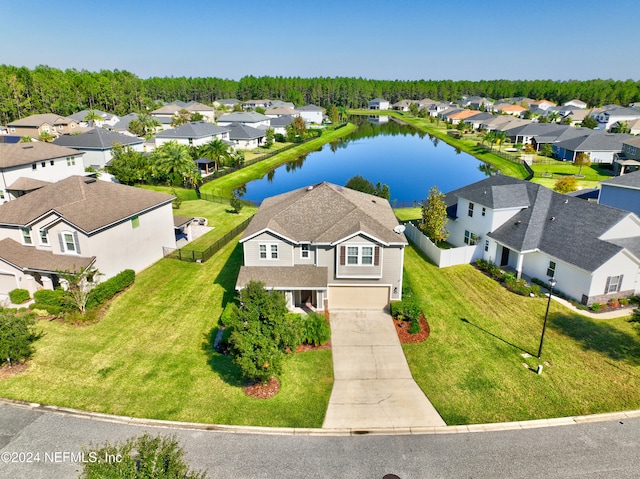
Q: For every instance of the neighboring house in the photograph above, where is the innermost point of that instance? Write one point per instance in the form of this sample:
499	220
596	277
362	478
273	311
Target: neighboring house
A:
515	110
379	104
526	132
622	192
249	118
244	137
476	120
575	102
502	123
403	105
80	221
609	118
228	103
634	127
477	103
436	108
97	145
283	104
456	116
122	125
628	160
541	105
50	123
28	166
592	250
556	135
280	124
196	133
601	147
106	119
253	104
326	246
311	114
278	111
169	111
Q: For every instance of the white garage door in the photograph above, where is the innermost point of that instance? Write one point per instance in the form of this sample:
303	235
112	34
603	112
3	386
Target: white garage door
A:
358	297
7	283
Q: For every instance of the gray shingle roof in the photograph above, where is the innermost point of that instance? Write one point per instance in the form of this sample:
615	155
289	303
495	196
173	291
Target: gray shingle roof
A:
298	276
97	139
196	129
596	141
325	213
123	123
87	203
311	107
243	117
630	180
561	226
81	115
281	121
239	131
17	154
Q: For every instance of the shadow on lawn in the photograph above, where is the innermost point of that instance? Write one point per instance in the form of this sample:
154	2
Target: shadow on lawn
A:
229	274
597	335
465	320
221	363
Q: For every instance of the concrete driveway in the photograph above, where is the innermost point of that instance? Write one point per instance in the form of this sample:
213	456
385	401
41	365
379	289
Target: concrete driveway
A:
373	387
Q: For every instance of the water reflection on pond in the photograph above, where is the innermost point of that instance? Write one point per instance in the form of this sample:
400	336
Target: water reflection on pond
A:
408	161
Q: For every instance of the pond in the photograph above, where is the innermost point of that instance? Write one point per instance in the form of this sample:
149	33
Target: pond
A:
381	150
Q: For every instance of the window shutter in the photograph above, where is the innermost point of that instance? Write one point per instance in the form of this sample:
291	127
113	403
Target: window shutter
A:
606	286
342	255
376	256
75	239
620	283
61	242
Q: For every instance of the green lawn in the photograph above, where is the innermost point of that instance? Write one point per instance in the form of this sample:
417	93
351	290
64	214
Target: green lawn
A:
471	365
150	356
408	214
225	185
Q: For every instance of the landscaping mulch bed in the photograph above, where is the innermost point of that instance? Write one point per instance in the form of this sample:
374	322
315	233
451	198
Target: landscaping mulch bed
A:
310	347
7	371
262	391
402	328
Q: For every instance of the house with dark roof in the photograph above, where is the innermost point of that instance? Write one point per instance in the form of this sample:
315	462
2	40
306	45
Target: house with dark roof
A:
311	113
249	118
592	250
108	119
628	160
326	246
610	117
280	124
195	133
80	221
601	146
244	137
97	145
25	167
622	192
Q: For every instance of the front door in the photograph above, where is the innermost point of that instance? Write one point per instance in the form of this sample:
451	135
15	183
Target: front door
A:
504	260
306	296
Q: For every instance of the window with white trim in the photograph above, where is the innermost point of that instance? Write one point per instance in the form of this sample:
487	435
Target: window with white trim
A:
71	161
44	237
304	251
484	211
470	238
486	245
551	270
614	284
471	205
268	251
26	236
366	258
354	255
68	242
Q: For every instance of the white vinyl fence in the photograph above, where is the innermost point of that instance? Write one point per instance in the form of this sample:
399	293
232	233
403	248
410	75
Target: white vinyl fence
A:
442	257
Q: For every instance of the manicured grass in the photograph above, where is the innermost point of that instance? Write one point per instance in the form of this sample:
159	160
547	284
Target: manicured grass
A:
408	214
225	185
549	171
185	194
471	368
151	356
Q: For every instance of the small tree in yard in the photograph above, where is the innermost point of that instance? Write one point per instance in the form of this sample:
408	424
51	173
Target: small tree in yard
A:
434	216
582	159
269	137
566	185
79	285
16	337
261	332
141	457
236	203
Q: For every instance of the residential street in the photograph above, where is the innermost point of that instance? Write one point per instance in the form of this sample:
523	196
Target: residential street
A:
588	450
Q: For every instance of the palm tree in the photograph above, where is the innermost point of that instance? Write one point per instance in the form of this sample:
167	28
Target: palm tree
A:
501	137
148	123
216	150
491	138
46	137
91	117
621	127
173	162
26	139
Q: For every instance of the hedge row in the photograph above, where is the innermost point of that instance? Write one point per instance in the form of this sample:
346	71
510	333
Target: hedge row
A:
110	288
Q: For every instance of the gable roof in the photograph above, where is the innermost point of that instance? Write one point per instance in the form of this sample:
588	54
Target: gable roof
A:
325	213
97	139
123	123
19	154
596	141
243	117
561	226
238	131
81	115
39	119
194	129
310	107
86	203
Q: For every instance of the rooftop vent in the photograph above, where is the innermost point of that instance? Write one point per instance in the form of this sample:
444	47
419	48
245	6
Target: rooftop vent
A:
309	188
26	147
553	218
518	222
89	180
566	201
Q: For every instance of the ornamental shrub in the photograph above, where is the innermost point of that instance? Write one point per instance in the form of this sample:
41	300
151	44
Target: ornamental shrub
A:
47	296
16	336
110	288
595	307
19	296
315	329
415	327
624	301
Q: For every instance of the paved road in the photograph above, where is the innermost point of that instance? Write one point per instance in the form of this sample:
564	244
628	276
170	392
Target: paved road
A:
608	449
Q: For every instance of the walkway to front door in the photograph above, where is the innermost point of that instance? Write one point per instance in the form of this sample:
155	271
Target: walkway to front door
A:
373	387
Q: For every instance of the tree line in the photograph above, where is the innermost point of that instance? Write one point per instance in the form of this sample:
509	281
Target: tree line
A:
44	89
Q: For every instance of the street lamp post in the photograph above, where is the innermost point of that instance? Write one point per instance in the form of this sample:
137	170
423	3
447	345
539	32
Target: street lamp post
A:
552	283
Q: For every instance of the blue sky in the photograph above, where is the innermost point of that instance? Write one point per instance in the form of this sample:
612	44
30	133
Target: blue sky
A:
406	40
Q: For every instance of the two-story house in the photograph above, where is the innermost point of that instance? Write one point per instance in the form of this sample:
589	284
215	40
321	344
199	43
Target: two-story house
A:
50	123
25	167
80	221
628	160
592	250
327	247
622	192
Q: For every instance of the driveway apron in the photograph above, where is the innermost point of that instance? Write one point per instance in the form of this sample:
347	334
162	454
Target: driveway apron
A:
373	386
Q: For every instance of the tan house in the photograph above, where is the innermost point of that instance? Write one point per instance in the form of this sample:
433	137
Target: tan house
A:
77	222
50	123
327	247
